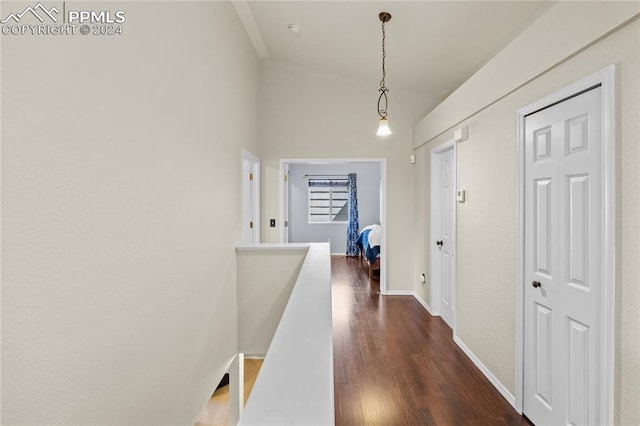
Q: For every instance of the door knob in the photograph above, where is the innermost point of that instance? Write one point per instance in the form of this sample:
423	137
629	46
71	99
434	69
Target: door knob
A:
439	243
535	284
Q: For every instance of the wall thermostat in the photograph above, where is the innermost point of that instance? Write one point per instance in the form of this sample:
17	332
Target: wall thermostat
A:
461	134
460	195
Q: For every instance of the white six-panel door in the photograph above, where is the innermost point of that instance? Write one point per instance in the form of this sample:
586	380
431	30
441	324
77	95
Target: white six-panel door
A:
444	232
563	228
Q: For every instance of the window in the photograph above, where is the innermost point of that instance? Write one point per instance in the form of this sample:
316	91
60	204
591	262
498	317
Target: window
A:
328	200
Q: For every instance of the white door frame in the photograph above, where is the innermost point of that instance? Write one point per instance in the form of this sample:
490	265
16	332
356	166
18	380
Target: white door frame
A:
255	161
284	218
606	79
435	293
383	201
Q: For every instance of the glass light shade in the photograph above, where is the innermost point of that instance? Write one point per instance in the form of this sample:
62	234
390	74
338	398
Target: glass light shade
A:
383	128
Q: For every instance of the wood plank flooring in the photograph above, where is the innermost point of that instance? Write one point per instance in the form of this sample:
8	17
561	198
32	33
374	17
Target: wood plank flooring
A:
394	364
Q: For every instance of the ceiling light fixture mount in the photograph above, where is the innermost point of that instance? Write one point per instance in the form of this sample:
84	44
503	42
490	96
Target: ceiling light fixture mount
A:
294	28
383	101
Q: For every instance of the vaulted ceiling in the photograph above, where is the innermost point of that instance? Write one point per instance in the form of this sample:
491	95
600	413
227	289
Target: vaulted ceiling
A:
432	46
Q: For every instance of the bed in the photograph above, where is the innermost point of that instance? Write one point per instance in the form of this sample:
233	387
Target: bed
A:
369	243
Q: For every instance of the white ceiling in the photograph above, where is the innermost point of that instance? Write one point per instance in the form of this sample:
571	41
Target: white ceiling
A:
432	46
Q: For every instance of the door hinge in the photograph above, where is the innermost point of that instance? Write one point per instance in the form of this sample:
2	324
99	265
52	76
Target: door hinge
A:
251	225
286	223
286	178
250	176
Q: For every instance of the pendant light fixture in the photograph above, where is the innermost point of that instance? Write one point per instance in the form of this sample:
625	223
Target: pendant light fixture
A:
383	102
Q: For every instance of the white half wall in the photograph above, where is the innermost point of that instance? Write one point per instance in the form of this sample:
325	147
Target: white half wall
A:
295	384
266	276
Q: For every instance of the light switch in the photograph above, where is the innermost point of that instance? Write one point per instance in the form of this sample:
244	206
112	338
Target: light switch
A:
460	195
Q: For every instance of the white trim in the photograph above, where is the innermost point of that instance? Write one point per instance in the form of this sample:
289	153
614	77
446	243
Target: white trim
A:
383	225
605	78
236	388
476	361
487	373
282	187
254	356
608	242
248	21
383	201
435	292
273	246
284	208
399	293
424	304
520	208
435	289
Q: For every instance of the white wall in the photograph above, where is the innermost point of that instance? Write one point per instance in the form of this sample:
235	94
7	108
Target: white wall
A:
313	114
266	276
368	183
118	261
486	221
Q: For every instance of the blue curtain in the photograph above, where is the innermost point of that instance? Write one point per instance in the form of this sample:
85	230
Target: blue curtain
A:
354	224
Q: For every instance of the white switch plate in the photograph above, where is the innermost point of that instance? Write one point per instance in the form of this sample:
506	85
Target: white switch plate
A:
460	195
412	159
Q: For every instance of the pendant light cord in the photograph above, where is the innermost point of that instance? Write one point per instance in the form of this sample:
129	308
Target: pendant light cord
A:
384	56
382	111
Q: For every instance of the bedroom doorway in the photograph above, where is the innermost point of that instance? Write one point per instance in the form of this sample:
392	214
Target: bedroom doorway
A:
443	231
371	171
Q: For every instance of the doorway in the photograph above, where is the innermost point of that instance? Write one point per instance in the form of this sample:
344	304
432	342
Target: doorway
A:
286	166
443	231
250	168
566	244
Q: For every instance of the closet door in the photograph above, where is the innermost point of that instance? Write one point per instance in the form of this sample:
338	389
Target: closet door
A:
563	228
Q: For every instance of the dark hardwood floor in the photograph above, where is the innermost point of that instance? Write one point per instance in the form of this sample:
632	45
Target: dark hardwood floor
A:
397	365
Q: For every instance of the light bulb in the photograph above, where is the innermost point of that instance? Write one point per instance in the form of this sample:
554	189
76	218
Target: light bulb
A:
383	128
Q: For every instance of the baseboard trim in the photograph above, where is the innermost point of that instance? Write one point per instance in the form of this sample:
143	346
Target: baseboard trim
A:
424	304
487	373
399	293
254	356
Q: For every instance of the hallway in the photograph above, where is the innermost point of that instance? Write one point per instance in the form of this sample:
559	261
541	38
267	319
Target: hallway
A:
396	364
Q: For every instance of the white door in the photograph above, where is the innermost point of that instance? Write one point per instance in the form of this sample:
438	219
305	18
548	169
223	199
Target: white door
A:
563	226
444	232
250	198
